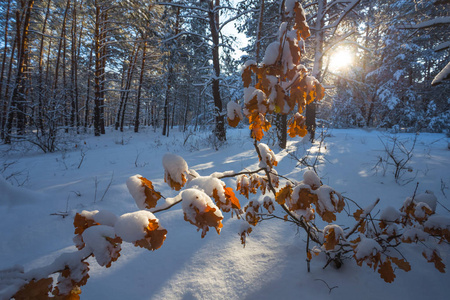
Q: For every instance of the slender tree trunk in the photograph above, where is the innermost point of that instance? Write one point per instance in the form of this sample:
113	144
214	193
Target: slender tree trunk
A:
40	113
97	72
173	114
258	33
213	17
186	110
127	89
88	92
141	80
18	95
103	71
124	85
4	102
74	116
62	38
167	97
318	64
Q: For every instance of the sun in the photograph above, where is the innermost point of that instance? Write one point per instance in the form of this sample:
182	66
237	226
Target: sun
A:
340	60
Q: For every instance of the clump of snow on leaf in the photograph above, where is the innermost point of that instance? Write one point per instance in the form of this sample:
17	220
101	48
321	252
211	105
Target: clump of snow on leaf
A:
137	190
199	210
311	179
437	222
95	239
428	198
390	215
271	54
175	170
268	158
367	247
131	226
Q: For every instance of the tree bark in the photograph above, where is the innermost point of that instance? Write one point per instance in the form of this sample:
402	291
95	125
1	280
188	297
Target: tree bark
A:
18	94
4	103
213	18
141	80
318	64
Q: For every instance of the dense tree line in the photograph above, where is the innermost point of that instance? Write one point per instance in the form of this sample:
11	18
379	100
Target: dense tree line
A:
83	65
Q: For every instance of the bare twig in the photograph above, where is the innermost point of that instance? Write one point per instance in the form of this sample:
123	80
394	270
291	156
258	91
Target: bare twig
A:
107	188
329	288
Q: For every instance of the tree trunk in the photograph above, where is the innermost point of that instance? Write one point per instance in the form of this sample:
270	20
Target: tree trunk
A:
141	80
213	17
88	92
318	63
97	72
4	103
18	95
127	89
74	116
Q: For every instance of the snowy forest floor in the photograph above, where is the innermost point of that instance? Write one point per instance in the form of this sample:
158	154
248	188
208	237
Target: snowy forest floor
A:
91	174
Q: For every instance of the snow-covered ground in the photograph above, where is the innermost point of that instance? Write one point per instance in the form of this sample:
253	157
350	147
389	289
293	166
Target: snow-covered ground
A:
271	266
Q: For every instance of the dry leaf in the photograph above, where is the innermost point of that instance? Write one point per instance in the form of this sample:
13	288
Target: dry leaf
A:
35	290
283	194
151	196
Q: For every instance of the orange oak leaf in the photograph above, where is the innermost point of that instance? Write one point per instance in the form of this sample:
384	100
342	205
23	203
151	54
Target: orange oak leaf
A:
151	196
436	259
35	290
401	263
357	214
330	240
154	237
386	271
81	223
234	122
205	219
229	194
297	126
175	184
244	234
283	194
247	76
304	201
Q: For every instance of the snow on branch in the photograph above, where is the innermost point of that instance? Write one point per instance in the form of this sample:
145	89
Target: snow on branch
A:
443	75
442	46
347	9
182	6
429	23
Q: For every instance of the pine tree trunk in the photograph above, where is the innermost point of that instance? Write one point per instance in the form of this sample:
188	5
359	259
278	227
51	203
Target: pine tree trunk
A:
88	92
213	17
18	94
141	80
127	89
97	72
4	102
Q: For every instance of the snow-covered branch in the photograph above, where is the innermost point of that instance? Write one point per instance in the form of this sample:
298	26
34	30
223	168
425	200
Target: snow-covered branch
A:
429	23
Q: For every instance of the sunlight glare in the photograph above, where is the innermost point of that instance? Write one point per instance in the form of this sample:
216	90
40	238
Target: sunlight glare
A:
340	60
